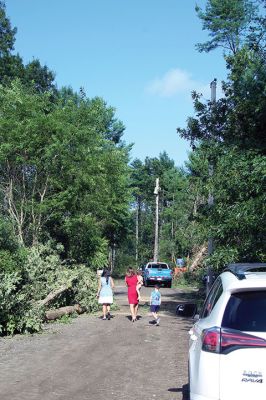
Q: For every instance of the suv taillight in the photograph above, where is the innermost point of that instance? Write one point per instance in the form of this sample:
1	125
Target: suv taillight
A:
232	340
224	341
211	340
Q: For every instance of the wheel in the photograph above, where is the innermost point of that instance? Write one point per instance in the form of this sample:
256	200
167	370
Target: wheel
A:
188	384
169	284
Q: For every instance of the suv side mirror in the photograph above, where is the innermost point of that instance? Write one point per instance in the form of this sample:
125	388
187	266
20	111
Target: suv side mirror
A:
186	310
196	317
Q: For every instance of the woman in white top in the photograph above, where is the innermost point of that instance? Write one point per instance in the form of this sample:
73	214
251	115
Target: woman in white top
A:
105	292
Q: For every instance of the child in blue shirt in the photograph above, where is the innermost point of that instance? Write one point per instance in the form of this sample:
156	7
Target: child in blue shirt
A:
155	302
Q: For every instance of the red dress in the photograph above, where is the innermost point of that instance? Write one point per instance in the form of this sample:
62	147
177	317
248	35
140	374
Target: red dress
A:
132	294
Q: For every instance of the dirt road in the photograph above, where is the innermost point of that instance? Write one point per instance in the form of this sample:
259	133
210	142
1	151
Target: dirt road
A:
92	359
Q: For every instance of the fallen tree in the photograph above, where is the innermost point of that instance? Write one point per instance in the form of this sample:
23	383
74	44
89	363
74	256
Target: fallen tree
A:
41	287
51	296
198	257
59	312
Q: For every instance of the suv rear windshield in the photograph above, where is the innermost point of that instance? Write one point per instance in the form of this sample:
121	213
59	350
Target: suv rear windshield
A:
156	266
245	311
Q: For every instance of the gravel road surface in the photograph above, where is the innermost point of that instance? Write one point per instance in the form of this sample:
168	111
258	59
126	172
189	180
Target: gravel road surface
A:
92	359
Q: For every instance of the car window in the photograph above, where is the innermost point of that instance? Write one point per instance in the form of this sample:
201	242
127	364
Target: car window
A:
162	266
245	311
212	298
156	266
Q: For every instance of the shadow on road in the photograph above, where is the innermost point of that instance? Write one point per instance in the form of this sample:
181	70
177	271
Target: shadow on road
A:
184	390
129	317
183	296
119	293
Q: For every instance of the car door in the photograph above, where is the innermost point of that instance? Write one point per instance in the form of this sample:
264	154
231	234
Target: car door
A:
243	337
204	366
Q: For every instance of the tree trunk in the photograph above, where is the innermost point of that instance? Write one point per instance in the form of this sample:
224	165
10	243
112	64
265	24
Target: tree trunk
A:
59	312
197	259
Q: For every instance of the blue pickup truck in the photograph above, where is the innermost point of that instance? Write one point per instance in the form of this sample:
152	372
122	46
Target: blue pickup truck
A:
157	272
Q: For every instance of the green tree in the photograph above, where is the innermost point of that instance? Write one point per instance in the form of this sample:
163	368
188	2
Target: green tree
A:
229	134
7	33
57	165
227	22
239	117
235	221
173	197
39	77
11	65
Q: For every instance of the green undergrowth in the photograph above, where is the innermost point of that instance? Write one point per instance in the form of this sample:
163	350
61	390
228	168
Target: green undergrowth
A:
39	273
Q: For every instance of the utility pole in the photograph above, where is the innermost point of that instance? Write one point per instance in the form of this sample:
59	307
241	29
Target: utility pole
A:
209	282
213	86
156	240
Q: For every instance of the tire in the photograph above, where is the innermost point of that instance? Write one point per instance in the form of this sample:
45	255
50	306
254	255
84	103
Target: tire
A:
188	384
169	284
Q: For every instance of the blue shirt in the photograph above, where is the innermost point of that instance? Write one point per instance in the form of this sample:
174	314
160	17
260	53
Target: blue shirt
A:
180	262
155	298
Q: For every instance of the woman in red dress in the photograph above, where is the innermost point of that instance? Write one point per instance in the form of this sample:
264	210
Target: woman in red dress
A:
131	280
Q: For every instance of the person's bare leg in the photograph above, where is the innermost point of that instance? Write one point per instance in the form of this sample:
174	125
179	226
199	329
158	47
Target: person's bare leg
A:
136	310
108	311
154	314
132	310
104	311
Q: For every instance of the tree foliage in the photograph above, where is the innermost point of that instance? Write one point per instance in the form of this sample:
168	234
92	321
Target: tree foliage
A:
58	165
230	135
238	118
65	178
227	22
69	198
41	272
173	200
7	33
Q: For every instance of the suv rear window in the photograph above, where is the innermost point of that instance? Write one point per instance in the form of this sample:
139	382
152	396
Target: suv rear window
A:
245	311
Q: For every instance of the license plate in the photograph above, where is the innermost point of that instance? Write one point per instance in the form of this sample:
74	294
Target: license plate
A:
159	279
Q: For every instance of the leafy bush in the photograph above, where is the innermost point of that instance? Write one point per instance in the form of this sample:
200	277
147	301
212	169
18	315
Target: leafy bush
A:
41	273
17	311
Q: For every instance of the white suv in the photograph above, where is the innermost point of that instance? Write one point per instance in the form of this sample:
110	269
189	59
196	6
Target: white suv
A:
227	347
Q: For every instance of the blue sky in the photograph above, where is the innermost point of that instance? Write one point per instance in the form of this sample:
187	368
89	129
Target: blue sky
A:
139	55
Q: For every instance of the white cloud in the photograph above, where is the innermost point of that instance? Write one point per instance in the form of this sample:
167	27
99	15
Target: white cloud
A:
177	81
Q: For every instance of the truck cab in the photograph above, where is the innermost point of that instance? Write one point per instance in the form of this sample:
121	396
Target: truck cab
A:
157	273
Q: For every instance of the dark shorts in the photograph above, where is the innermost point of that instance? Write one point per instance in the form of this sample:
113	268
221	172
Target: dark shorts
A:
155	308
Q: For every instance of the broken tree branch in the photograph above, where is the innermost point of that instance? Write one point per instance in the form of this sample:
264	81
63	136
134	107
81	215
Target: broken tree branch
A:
51	296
